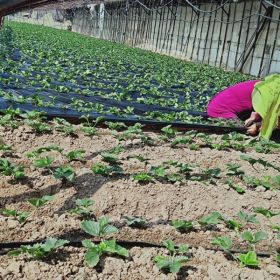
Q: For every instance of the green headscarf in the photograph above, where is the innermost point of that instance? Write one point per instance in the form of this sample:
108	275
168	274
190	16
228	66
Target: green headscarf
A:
266	102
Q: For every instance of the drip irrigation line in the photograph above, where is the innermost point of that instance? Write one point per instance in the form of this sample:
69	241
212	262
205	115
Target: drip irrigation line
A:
125	243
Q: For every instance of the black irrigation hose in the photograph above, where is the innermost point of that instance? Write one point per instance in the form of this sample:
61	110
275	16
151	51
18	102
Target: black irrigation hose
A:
124	243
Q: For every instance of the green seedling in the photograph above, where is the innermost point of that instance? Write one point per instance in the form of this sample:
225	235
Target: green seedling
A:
20	216
158	171
254	238
174	260
106	247
249	259
118	126
224	242
43	162
9	169
39	126
39	151
64	173
247	218
83	207
168	132
233	169
235	225
182	225
40	250
137	222
182	140
38	202
277	257
175	177
267	213
101	228
101	169
143	177
131	132
110	158
116	150
76	155
237	188
194	147
265	163
64	126
212	219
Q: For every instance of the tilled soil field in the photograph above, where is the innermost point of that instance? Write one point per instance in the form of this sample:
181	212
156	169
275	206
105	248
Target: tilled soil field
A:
158	200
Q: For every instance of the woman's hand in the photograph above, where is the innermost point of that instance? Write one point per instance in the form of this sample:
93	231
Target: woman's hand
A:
254	129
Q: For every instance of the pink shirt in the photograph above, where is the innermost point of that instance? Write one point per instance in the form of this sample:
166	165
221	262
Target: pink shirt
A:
230	102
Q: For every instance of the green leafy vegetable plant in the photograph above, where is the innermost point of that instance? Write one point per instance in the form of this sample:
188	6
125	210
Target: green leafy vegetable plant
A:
9	169
40	251
174	260
20	216
38	202
182	225
212	219
224	242
75	155
250	259
83	207
64	173
133	221
267	213
143	177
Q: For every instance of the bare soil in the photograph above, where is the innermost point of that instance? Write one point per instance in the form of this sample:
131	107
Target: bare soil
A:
118	196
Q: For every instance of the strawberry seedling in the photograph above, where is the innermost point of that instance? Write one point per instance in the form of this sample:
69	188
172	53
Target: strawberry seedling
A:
101	169
212	219
118	126
64	173
39	151
233	169
83	208
224	242
64	126
254	238
174	260
110	158
182	225
267	213
247	218
40	250
143	177
235	225
102	229
9	169
43	162
249	259
38	202
106	247
137	222
235	187
20	216
76	155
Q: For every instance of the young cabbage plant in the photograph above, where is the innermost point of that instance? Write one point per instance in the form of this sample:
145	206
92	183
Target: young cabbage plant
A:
175	258
39	251
83	207
20	216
